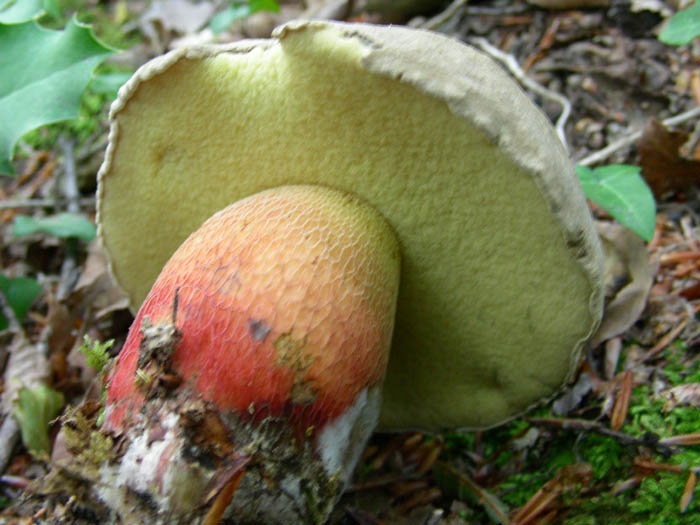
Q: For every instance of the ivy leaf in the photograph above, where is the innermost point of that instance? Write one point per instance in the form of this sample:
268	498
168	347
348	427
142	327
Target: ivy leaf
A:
43	75
19	293
63	225
682	27
109	83
35	409
620	190
14	11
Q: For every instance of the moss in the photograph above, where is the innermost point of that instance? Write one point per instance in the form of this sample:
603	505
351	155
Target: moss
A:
605	455
647	414
517	489
601	510
657	501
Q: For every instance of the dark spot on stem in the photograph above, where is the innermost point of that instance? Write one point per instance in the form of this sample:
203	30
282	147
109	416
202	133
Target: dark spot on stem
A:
258	329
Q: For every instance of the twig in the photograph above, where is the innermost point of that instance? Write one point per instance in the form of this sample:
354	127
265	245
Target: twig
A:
442	17
15	481
69	179
69	269
86	202
692	143
496	509
604	153
649	440
497	11
515	70
665	340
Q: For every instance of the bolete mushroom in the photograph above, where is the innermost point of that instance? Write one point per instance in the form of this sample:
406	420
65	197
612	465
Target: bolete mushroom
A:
500	280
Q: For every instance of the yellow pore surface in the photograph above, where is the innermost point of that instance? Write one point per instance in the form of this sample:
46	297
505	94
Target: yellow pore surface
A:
491	302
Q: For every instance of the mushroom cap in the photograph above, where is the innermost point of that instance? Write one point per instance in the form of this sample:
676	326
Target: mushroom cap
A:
501	266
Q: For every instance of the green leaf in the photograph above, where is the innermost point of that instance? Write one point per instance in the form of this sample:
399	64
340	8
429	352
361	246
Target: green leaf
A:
15	11
621	191
221	21
52	9
61	225
238	10
34	411
19	292
263	5
43	75
682	27
108	83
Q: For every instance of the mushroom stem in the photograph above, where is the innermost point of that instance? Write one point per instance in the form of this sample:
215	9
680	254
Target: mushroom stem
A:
262	347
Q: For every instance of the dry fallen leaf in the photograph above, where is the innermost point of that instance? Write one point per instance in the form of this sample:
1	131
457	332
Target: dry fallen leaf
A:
568	477
628	278
165	20
95	290
687	394
688	491
662	165
572	397
179	16
622	403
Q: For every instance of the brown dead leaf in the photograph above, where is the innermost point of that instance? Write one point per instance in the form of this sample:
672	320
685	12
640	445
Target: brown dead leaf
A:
613	348
682	395
695	86
619	412
688	491
95	290
572	397
223	485
683	439
419	499
498	511
662	165
568	477
628	276
179	16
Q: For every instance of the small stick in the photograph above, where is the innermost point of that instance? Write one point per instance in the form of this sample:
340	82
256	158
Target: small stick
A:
604	153
86	202
497	11
442	17
69	269
678	257
515	69
650	440
665	341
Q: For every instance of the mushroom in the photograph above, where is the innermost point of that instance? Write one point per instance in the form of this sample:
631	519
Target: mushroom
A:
500	282
264	340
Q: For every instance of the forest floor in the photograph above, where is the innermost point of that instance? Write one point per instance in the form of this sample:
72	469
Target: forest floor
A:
620	445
